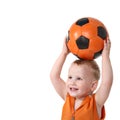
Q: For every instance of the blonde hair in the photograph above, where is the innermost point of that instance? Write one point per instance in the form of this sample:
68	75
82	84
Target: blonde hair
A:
92	64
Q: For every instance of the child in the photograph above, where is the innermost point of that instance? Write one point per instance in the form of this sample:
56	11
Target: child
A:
81	103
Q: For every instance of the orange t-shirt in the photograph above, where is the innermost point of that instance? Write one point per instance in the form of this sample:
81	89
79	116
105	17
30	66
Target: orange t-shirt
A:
87	110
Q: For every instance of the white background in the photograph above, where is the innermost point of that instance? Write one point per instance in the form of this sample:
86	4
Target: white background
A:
31	38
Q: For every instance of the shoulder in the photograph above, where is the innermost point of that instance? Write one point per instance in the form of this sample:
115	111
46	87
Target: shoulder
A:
69	98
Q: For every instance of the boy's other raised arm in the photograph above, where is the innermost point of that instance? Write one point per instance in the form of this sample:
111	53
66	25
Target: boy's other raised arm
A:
55	73
107	76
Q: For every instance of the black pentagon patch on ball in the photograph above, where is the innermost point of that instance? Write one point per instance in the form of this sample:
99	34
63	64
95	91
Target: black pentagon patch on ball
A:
82	21
102	32
82	42
97	54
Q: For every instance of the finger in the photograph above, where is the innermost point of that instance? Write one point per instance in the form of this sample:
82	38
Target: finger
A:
107	39
109	42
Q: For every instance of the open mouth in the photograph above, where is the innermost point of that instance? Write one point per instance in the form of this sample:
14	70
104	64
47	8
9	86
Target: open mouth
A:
73	89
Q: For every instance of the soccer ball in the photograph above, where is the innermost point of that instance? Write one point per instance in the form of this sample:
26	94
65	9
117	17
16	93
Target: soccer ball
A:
86	38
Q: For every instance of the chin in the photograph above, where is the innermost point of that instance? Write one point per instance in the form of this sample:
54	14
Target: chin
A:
72	94
76	95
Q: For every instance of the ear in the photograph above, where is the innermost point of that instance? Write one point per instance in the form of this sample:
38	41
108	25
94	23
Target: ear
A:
94	85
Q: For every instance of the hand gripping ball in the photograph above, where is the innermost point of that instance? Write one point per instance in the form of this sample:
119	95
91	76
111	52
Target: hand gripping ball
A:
86	38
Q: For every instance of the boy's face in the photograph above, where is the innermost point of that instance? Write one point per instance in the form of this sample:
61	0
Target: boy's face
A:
80	82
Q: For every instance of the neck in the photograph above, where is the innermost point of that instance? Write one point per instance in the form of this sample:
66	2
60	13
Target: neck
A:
78	103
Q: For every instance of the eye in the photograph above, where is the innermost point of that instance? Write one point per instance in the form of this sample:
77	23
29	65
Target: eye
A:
70	77
79	78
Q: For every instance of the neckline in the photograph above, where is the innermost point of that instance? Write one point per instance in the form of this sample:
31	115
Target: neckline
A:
73	106
82	103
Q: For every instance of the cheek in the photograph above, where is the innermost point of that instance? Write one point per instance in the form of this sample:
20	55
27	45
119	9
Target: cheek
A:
85	85
68	82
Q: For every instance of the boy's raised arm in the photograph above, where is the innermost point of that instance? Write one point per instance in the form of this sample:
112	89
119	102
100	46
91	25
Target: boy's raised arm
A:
55	73
107	76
